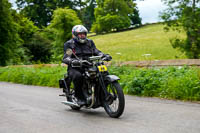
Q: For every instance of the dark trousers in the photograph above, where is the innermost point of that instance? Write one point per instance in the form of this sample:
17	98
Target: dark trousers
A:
75	76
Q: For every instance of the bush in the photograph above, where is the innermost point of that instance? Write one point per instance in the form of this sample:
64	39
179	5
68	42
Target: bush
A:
39	49
172	83
38	75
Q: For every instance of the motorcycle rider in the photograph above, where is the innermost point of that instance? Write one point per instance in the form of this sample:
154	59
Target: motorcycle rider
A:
76	49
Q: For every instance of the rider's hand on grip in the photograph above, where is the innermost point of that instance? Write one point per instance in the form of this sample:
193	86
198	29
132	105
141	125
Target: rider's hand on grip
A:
67	61
107	57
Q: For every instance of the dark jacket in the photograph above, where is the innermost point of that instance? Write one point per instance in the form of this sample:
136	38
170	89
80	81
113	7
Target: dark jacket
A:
74	50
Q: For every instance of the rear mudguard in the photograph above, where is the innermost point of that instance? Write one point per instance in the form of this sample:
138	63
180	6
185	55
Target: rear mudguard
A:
111	78
61	83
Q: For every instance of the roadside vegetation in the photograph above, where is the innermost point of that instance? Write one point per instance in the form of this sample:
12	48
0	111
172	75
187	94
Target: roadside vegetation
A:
36	31
171	82
26	38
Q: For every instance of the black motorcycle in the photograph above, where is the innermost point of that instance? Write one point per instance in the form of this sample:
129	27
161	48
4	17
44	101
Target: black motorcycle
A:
99	88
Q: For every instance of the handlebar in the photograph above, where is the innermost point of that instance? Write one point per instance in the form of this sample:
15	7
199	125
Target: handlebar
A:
85	62
90	62
94	58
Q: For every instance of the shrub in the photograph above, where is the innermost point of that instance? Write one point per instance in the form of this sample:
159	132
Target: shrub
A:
171	82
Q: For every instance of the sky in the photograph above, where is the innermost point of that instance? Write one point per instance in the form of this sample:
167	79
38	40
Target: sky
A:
148	9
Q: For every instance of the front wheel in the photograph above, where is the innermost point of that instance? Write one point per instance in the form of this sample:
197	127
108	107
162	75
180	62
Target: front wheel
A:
114	103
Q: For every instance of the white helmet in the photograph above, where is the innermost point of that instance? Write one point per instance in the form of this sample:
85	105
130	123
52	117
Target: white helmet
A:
79	29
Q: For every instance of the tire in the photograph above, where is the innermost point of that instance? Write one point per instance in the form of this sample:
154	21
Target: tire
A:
113	100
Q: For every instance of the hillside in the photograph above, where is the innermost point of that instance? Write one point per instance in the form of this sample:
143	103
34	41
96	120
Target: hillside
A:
146	43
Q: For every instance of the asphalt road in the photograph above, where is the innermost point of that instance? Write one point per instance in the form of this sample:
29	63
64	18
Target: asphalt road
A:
33	109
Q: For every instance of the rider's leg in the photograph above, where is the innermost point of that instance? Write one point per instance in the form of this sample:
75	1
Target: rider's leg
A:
77	78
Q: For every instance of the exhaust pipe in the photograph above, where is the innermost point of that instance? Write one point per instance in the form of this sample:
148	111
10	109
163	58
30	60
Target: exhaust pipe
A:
70	103
92	103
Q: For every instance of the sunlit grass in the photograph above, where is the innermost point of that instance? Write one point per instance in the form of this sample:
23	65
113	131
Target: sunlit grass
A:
146	43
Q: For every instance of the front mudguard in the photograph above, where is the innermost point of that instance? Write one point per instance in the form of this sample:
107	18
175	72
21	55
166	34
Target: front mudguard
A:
111	78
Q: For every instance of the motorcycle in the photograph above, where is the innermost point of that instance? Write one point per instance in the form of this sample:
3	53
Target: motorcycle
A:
100	89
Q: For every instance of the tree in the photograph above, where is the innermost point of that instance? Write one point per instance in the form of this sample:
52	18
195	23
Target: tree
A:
184	15
134	15
63	21
40	11
113	15
88	14
39	48
26	27
9	39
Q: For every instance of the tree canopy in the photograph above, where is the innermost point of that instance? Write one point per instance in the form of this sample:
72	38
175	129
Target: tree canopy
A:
184	15
113	15
62	23
40	11
36	31
9	38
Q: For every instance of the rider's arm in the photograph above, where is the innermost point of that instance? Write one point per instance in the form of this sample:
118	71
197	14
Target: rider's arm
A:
67	53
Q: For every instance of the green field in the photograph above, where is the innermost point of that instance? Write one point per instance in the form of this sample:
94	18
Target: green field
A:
135	44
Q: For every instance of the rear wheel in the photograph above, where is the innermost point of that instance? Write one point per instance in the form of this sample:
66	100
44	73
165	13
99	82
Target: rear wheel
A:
115	102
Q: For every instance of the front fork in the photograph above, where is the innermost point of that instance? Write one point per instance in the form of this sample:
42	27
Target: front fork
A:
103	86
112	78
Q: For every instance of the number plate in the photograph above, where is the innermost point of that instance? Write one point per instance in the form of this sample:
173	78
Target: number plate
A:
102	68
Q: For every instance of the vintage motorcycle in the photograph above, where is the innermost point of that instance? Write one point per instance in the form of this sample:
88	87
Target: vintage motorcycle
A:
99	88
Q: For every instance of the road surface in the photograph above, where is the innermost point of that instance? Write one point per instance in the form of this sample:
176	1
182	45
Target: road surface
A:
33	109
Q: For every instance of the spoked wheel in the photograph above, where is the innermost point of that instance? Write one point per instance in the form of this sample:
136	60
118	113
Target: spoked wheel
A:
115	102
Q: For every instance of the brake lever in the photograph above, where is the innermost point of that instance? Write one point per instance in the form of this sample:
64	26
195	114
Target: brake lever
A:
103	59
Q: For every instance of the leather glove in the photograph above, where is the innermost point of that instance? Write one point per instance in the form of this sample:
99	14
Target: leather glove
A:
107	57
67	61
76	63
